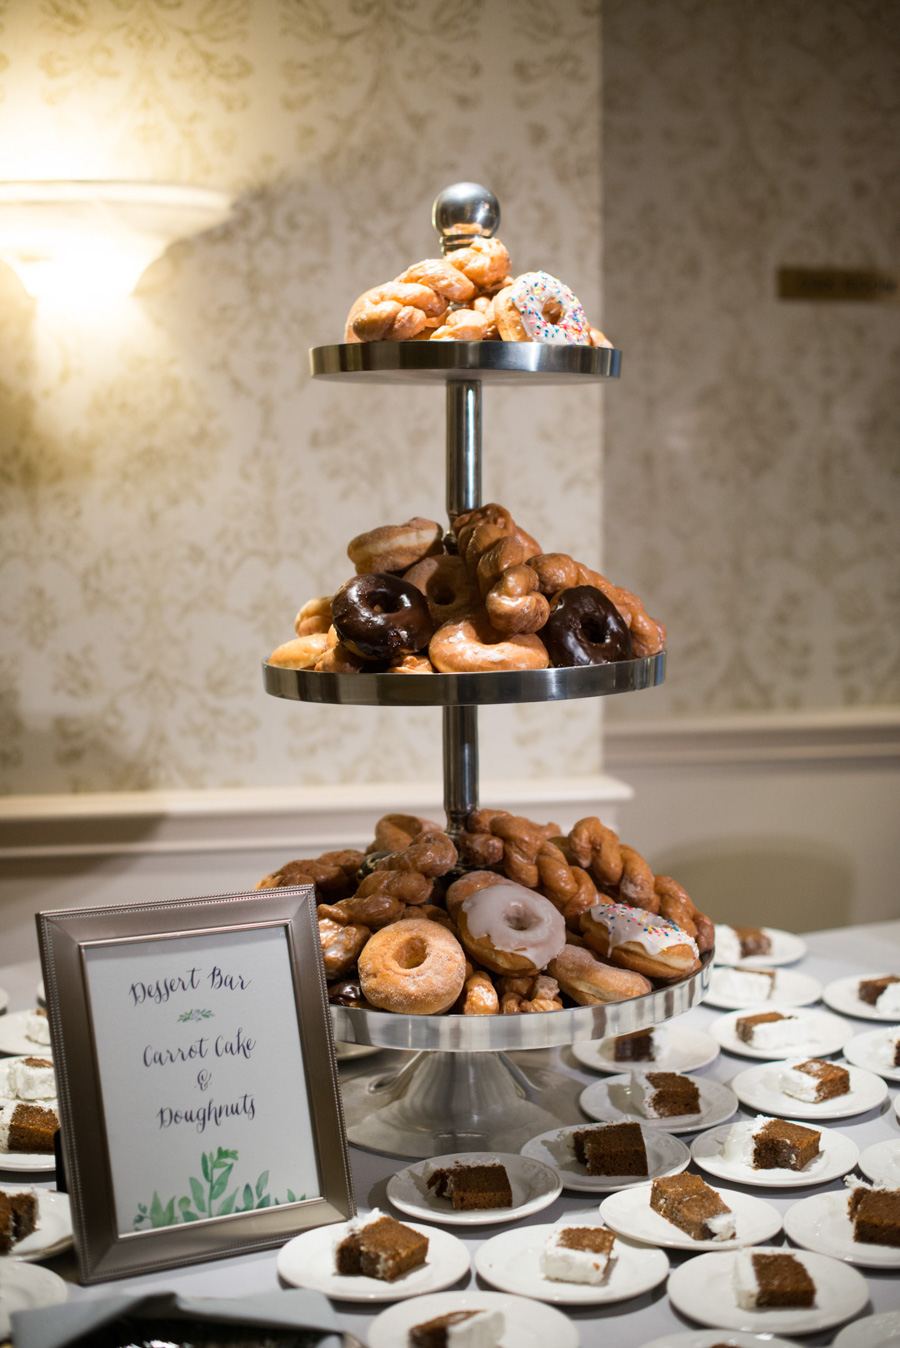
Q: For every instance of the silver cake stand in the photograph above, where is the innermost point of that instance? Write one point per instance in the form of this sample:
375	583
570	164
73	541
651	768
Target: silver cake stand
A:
462	1090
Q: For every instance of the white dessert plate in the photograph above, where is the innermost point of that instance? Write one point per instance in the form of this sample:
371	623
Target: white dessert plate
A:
862	1051
30	1161
818	1033
511	1261
841	995
786	949
4	1000
527	1323
629	1213
881	1163
821	1223
676	1049
837	1155
13	1038
6	1095
666	1155
25	1287
876	1331
758	1088
790	988
308	1261
54	1225
534	1186
703	1289
718	1338
614	1101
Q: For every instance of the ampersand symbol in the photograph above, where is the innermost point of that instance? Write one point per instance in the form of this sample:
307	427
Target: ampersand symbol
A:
203	1079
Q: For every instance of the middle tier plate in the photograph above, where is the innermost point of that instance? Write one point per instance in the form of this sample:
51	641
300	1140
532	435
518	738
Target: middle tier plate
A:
465	690
542	1029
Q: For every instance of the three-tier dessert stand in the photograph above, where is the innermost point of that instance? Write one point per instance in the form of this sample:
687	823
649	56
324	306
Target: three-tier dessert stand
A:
462	1091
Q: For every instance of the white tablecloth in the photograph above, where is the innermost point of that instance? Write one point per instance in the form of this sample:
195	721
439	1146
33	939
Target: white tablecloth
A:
627	1324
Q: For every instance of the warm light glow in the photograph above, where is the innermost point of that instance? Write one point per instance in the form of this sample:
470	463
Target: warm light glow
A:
69	240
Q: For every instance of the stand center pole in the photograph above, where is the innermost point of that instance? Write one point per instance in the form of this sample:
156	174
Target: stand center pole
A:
463	493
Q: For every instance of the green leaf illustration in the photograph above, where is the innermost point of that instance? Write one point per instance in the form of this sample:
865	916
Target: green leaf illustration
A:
261	1184
204	1166
264	1202
227	1204
248	1198
190	1216
220	1184
199	1197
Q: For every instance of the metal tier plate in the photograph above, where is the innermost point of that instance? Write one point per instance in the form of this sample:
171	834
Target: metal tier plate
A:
484	362
465	690
546	1029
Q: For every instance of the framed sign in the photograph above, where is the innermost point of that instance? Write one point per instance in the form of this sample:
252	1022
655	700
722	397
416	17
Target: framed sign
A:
199	1102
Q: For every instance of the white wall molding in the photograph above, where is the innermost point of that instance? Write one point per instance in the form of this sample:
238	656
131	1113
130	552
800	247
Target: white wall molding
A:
841	735
295	819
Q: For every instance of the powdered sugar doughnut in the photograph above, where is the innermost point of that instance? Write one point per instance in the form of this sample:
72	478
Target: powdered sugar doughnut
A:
539	308
416	968
638	940
510	929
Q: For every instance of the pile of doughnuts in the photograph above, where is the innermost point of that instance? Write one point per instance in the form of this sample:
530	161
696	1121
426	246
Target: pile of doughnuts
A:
469	296
512	918
483	596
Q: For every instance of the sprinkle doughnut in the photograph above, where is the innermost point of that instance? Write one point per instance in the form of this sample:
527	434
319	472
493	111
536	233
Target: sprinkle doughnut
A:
590	983
469	643
584	628
395	547
446	584
638	940
416	968
539	308
380	616
510	930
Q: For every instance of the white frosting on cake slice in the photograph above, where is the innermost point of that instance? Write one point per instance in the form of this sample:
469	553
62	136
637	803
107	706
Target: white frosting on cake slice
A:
560	1263
721	1226
484	1329
32	1082
728	945
778	1033
745	1281
744	985
37	1027
738	1143
889	1001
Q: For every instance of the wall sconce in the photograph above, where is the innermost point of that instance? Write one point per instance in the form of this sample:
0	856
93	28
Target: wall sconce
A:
86	239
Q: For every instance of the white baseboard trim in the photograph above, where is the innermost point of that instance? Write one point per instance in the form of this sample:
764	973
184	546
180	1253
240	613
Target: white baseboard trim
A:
296	820
836	736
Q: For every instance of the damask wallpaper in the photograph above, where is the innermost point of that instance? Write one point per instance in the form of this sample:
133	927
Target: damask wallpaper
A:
173	484
752	448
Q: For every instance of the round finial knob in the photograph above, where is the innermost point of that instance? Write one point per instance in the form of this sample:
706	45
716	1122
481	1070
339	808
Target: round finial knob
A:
464	212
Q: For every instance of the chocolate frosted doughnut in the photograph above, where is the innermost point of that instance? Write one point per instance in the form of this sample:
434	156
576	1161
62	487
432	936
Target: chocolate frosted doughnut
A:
379	616
585	628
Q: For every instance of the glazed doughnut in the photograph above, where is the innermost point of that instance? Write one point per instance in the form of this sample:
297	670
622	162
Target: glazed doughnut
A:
466	885
481	850
521	841
339	659
515	604
638	940
380	616
440	276
434	914
393	832
475	530
346	992
558	571
446	584
485	262
539	308
596	848
410	887
395	547
341	945
462	325
410	664
677	906
301	652
432	853
479	996
330	881
469	644
394	312
374	912
583	627
543	995
507	552
416	968
314	616
509	929
590	983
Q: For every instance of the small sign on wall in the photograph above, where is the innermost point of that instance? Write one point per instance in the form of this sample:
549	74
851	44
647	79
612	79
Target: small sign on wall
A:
198	1091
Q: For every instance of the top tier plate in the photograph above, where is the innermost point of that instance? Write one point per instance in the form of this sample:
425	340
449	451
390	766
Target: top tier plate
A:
484	362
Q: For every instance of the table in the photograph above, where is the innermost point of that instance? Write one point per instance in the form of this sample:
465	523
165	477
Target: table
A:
629	1324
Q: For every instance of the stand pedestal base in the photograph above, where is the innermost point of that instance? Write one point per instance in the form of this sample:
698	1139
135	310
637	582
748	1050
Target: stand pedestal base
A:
446	1102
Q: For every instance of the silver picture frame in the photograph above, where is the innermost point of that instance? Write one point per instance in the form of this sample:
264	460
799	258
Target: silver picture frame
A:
101	1047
